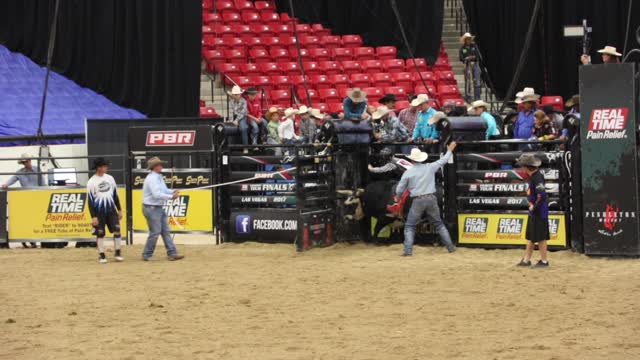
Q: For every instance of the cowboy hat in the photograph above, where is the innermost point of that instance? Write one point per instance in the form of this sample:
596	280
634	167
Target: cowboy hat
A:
575	100
251	91
100	162
155	161
290	112
470	109
380	112
610	50
439	115
24	158
479	103
530	98
387	98
316	113
235	90
419	100
524	92
272	110
417	155
466	36
528	160
303	110
356	95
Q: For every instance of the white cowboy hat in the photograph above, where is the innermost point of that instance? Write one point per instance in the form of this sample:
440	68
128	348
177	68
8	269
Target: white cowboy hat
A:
530	97
610	50
417	155
154	161
466	36
356	95
303	110
24	158
421	99
290	112
316	113
439	115
524	92
479	103
380	112
235	90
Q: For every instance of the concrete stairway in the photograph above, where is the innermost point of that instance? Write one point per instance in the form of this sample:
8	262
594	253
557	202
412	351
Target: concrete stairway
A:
219	100
451	40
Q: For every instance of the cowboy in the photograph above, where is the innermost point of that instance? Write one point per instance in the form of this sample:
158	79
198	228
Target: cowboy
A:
238	113
573	104
480	107
392	164
469	56
610	55
420	180
104	207
287	131
538	221
254	109
355	105
318	118
352	130
327	129
27	175
423	131
408	117
273	138
307	125
572	117
154	196
389	100
440	122
524	123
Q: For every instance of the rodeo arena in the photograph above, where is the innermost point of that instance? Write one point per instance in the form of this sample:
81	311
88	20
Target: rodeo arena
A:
354	179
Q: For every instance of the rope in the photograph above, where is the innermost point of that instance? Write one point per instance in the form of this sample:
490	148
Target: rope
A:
238	181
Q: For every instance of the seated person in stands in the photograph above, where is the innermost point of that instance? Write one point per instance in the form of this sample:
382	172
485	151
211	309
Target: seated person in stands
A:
286	129
523	127
238	116
543	129
423	132
307	125
610	55
480	108
389	100
409	116
355	105
254	112
273	136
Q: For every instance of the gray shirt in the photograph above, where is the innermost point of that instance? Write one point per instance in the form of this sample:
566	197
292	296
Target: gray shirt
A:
421	178
26	177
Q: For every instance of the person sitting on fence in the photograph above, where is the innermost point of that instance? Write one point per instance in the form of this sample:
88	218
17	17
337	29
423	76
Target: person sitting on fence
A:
286	129
393	131
441	123
318	119
377	123
273	138
423	132
389	100
523	127
307	125
327	131
254	111
469	57
238	115
480	108
408	117
355	105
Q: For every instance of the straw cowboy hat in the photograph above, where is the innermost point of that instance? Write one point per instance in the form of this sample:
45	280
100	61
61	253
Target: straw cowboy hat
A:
155	161
380	112
524	92
417	155
24	158
575	100
290	112
272	110
303	110
356	95
419	100
610	50
530	98
528	160
316	113
235	90
479	103
466	36
436	117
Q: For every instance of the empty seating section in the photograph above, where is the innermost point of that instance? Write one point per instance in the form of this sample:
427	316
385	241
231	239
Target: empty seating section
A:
254	45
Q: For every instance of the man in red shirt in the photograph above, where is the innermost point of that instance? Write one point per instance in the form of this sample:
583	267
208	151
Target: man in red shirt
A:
254	111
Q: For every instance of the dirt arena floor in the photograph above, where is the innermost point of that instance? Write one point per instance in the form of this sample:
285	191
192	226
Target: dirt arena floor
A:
258	301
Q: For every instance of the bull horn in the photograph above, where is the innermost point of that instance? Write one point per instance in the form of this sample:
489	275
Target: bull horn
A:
345	192
352	200
359	192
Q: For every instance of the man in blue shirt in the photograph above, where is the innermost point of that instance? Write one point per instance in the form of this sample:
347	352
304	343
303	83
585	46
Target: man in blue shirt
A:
154	195
423	131
481	110
27	176
523	127
354	105
420	180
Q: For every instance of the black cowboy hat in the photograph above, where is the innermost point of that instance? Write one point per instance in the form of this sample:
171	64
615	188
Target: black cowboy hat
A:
387	98
250	91
100	162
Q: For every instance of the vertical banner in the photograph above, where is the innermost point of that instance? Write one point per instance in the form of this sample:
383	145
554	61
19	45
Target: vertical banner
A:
609	159
3	216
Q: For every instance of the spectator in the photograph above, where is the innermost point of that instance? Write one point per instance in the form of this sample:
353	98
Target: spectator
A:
449	106
480	108
393	130
318	119
408	117
307	125
273	138
286	129
423	132
523	127
238	107
573	104
543	129
521	94
389	100
573	116
441	123
355	105
469	56
254	110
327	131
610	55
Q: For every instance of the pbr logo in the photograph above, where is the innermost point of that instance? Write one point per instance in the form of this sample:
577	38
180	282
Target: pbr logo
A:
177	209
608	123
66	206
475	227
171	138
610	218
510	228
495	175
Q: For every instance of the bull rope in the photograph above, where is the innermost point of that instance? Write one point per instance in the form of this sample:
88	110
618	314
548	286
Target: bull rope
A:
239	181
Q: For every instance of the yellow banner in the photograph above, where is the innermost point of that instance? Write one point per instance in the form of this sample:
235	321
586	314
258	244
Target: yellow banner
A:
505	229
191	211
40	214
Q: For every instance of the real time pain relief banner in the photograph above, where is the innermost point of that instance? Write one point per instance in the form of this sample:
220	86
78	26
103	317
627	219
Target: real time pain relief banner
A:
505	229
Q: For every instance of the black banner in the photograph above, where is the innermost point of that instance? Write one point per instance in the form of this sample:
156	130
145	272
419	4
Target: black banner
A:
550	157
264	225
183	138
549	174
3	217
177	179
512	188
608	95
497	202
264	187
263	200
276	160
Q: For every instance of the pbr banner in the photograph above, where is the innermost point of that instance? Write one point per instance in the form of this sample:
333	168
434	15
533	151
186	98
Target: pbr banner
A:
496	202
548	157
549	174
512	188
264	187
48	214
192	211
608	95
262	225
171	138
505	229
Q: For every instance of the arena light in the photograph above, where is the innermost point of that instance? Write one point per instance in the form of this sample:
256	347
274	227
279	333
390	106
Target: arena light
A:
574	31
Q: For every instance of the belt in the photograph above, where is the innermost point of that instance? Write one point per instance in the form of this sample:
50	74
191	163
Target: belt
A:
423	196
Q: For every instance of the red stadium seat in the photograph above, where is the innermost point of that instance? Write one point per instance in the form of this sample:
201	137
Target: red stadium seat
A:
270	68
446	77
207	5
243	5
434	104
212	58
320	54
329	95
242	81
298	80
229	69
430	90
394	65
342	54
311	68
208	30
270	41
230	17
330	67
339	80
290	68
250	69
427	76
320	81
303	30
364	53
360	80
304	53
382	79
374	93
254	41
351	67
252	18
372	66
259	55
331	41
402	104
223	30
386	52
282	82
262	30
419	62
212	42
264	5
279	54
262	82
231	43
398	91
302	94
556	101
288	40
281	97
208	112
310	42
282	29
224	5
446	90
335	107
351	41
209	18
324	108
403	79
285	18
442	64
269	17
319	30
202	103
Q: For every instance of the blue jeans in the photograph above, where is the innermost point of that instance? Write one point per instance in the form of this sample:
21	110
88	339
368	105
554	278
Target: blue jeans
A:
245	124
428	204
158	223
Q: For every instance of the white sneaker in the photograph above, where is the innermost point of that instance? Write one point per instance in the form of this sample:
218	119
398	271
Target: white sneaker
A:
119	258
103	261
